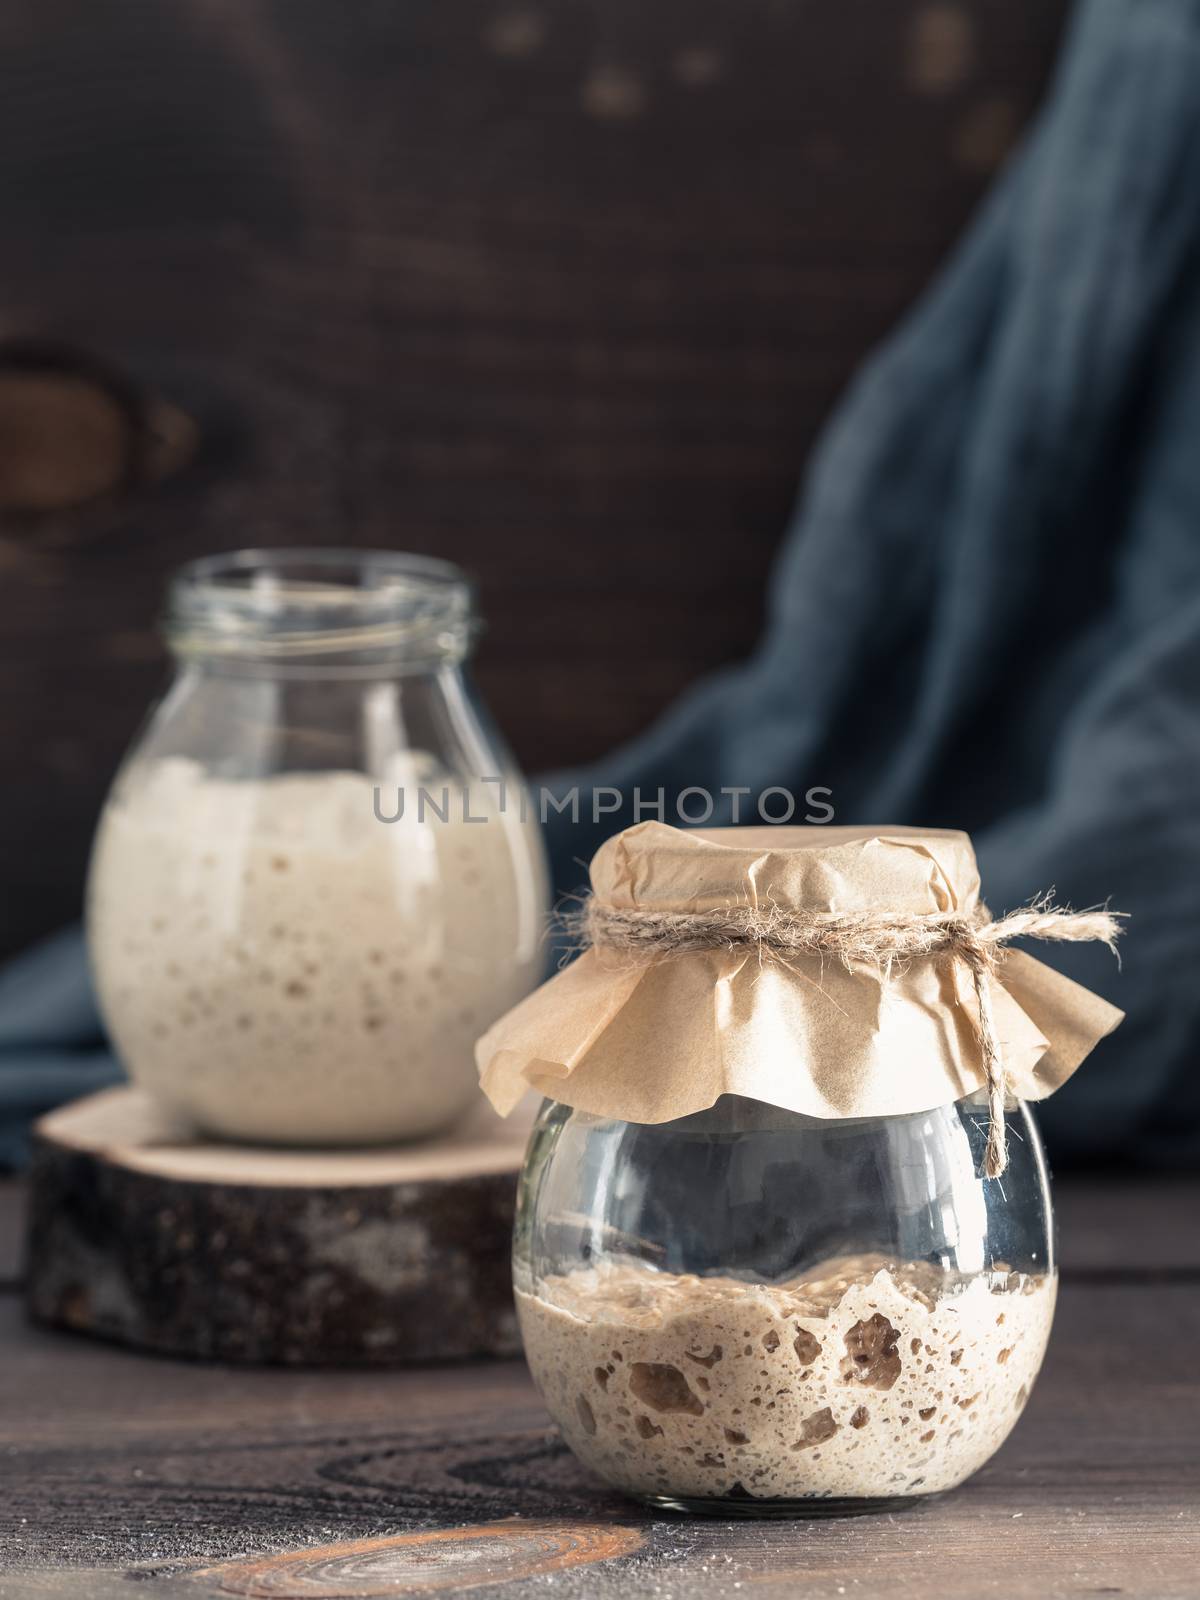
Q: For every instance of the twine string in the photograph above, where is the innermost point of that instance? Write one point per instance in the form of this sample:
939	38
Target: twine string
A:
877	938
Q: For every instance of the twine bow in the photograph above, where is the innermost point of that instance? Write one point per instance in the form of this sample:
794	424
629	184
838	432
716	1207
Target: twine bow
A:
874	937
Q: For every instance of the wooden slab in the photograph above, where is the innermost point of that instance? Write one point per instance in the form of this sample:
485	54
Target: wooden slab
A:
141	1231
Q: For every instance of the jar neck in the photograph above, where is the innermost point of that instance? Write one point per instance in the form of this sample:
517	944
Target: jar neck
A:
337	613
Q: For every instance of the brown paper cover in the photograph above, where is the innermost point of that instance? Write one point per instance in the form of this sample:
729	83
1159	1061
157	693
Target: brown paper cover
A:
647	1042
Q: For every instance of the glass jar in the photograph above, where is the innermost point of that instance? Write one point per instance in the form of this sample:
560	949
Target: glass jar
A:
316	878
752	1311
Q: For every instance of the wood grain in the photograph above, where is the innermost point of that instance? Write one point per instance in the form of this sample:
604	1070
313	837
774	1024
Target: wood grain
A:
74	431
143	1231
560	292
192	1478
449	1560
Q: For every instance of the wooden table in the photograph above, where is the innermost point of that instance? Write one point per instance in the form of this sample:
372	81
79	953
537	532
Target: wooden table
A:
200	1480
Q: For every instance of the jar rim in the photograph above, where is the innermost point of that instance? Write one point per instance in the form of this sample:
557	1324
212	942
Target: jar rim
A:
325	604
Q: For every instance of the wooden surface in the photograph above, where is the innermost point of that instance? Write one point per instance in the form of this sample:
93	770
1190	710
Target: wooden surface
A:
561	292
142	1231
202	1480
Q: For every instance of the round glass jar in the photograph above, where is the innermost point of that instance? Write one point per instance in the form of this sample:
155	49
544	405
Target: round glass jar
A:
752	1311
316	878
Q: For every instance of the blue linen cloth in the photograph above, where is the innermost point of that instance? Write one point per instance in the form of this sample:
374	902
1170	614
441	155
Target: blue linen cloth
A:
986	613
52	1044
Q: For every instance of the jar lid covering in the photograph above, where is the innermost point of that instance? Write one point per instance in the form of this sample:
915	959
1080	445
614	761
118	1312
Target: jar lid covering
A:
828	868
647	1040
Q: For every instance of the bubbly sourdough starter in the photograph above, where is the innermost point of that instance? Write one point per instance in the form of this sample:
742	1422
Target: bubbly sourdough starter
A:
868	1378
282	965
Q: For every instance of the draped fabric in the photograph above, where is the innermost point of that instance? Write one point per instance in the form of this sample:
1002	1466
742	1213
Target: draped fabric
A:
986	612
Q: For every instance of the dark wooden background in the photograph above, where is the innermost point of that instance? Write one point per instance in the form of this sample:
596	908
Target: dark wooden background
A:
559	289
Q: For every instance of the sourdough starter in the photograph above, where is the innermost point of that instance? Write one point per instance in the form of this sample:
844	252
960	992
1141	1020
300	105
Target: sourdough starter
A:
867	1378
283	966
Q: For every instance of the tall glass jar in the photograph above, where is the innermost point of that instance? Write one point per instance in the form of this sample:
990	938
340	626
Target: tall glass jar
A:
751	1311
316	878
